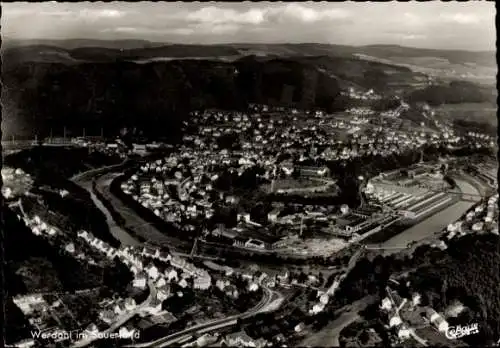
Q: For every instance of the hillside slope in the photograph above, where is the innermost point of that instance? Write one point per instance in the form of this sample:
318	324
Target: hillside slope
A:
155	97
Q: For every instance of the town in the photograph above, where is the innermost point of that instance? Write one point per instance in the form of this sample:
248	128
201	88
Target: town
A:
199	189
161	188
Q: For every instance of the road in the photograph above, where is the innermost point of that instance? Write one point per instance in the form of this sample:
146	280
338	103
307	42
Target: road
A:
122	319
329	336
268	303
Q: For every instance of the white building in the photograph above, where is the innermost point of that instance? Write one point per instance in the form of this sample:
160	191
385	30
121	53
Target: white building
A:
139	281
416	299
386	304
202	283
395	321
403	333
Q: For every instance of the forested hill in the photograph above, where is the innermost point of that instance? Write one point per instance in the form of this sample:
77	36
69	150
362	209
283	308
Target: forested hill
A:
155	97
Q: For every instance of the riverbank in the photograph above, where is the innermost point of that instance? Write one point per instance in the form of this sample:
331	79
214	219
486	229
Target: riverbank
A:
436	223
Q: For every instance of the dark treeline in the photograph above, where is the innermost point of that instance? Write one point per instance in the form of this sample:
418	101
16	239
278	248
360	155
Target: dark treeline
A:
153	97
455	92
51	169
32	264
50	164
475	126
467	271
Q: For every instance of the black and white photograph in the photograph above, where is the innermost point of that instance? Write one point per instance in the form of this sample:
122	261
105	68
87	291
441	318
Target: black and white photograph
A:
249	174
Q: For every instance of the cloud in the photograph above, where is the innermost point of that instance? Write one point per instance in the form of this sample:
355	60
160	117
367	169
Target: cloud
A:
461	18
298	12
414	37
121	30
215	15
436	24
260	16
94	14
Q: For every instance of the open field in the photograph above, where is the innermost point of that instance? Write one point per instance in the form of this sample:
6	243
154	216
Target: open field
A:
478	112
315	247
329	336
287	184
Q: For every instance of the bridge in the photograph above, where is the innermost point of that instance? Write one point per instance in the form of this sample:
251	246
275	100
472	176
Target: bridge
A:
10	146
381	247
466	197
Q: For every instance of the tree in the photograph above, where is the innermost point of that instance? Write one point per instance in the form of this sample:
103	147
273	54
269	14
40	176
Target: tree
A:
364	337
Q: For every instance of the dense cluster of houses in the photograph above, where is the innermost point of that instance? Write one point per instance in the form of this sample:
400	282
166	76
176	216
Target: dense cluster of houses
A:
180	188
355	93
481	218
235	339
15	182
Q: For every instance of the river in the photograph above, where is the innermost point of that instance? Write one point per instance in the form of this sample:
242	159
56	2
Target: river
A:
437	222
115	230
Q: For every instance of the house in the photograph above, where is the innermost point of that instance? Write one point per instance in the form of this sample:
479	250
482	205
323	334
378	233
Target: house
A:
395	321
119	308
26	343
386	304
313	171
317	308
279	338
140	149
232	291
437	320
107	316
273	215
70	248
171	275
164	256
283	277
221	284
92	329
404	333
454	309
299	327
140	280
253	287
134	269
202	283
324	299
127	331
416	299
152	272
163	293
130	304
261	278
238	339
205	340
183	283
160	282
349	224
155	307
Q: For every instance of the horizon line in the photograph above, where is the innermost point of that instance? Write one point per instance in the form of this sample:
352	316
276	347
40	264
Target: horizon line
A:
6	38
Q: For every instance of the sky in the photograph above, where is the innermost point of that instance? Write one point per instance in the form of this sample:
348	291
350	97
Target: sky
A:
435	24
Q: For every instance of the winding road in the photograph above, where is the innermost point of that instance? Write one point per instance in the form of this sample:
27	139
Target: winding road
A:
121	319
270	302
135	223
